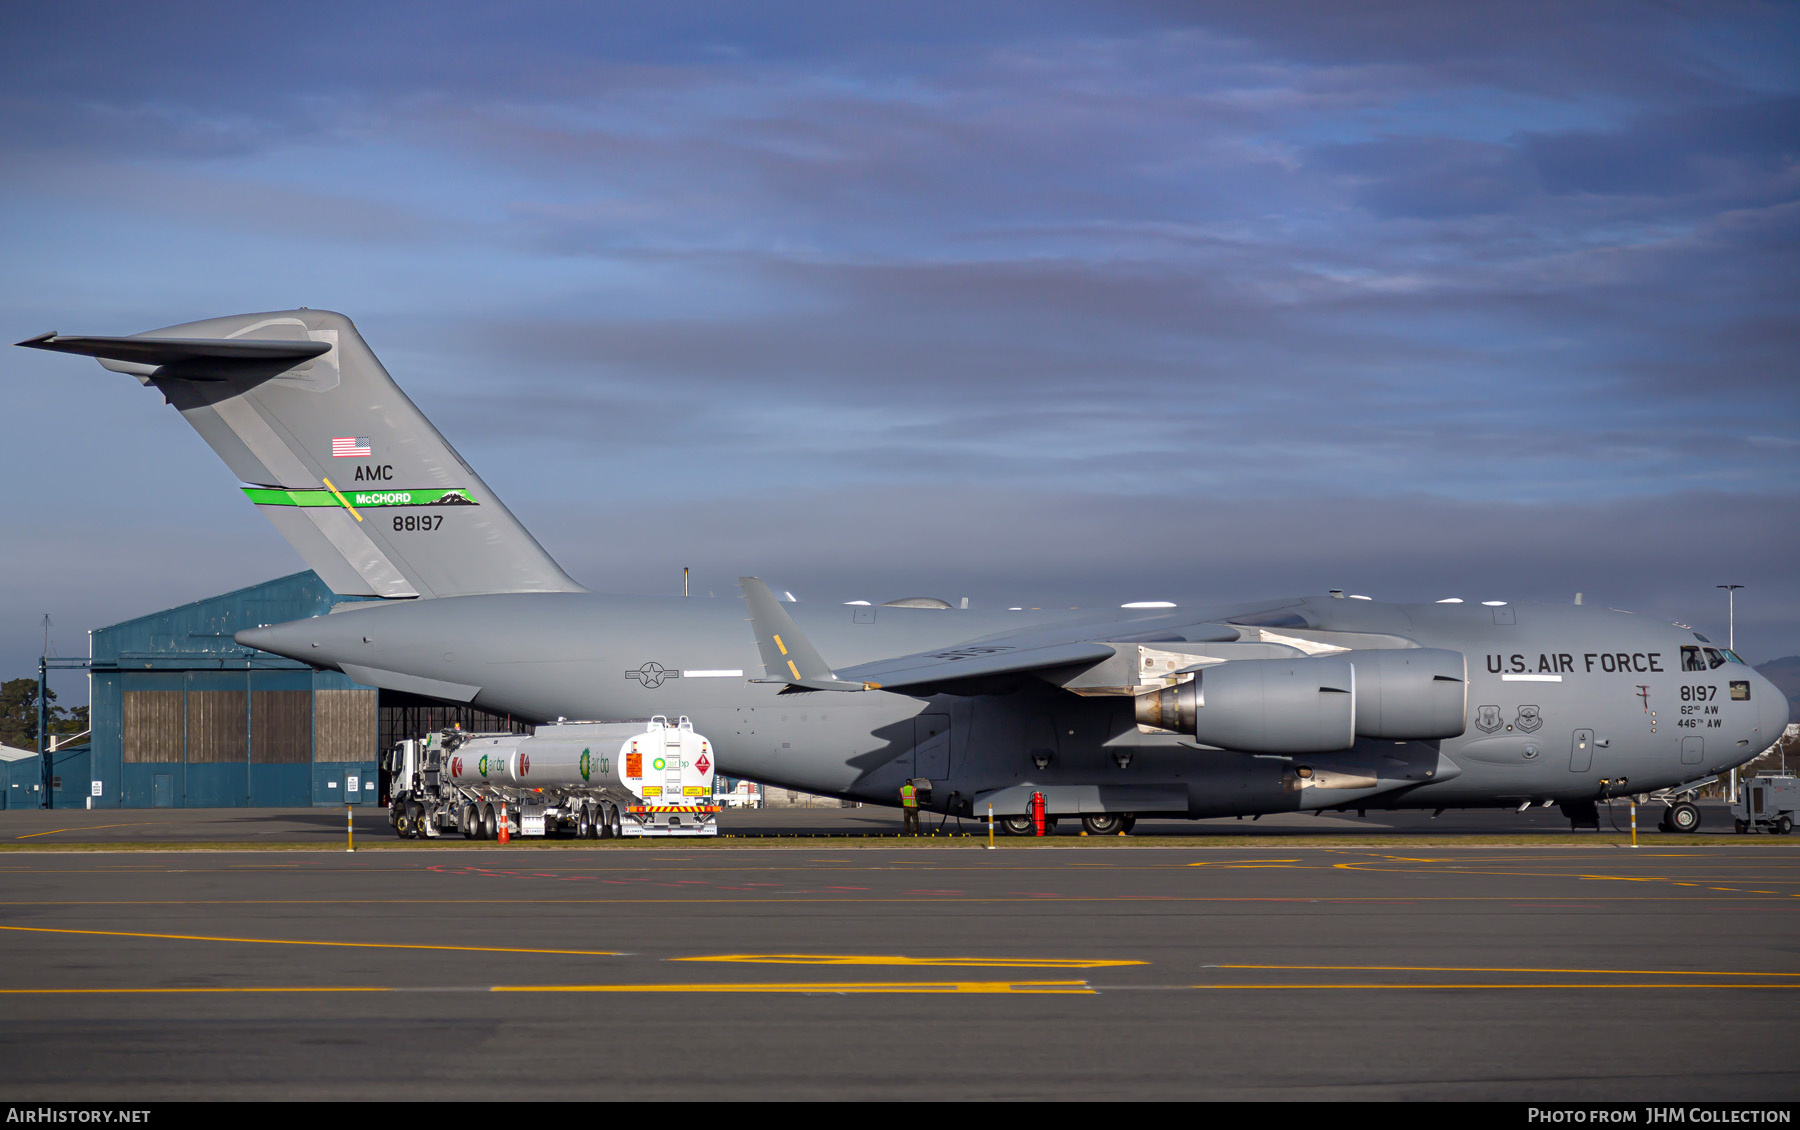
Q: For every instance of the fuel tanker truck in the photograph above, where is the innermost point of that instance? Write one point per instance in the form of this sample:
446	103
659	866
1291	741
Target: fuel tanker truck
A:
592	780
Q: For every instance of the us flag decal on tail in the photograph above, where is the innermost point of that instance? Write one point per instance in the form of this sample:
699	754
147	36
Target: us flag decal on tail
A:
350	447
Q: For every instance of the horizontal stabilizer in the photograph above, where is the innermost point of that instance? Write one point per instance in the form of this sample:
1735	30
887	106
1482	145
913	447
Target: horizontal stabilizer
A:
189	358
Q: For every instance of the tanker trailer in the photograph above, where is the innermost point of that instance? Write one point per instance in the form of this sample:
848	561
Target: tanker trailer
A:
593	780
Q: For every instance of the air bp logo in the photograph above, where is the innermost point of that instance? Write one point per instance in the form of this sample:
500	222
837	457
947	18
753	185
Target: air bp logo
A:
481	766
660	763
1487	718
586	763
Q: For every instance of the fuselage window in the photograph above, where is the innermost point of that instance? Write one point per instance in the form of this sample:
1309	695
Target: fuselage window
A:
1690	659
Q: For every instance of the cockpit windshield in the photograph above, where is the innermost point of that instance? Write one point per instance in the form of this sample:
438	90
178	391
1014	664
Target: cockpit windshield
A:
1691	659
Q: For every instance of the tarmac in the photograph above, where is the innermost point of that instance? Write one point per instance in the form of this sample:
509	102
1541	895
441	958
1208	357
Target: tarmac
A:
327	826
1247	966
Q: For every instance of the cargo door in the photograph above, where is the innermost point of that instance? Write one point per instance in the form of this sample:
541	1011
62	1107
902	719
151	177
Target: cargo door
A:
931	746
1581	751
1693	750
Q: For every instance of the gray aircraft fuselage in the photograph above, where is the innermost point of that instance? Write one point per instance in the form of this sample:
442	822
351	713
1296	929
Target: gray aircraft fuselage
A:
1561	698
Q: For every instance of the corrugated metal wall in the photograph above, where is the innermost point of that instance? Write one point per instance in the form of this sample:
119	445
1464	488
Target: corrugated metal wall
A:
184	716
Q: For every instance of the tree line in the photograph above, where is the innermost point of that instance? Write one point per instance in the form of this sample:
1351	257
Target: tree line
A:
19	714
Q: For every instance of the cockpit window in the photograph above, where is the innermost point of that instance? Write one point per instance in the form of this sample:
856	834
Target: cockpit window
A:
1714	659
1690	659
1701	638
1732	656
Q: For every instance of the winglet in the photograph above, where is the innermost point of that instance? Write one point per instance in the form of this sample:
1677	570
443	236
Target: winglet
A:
787	656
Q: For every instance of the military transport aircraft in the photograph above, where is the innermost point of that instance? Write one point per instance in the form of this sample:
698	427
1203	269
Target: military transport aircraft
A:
1320	702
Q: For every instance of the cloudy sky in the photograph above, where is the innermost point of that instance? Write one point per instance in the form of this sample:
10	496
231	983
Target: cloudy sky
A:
1036	303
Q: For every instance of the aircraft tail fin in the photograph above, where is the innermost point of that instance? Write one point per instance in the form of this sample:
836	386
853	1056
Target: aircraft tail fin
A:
333	453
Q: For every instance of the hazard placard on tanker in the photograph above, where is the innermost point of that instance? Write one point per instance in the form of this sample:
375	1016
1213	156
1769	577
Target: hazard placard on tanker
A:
589	779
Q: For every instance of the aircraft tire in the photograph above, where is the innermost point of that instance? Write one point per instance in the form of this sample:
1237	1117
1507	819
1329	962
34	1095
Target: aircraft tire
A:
1740	826
1018	826
1104	825
1127	822
1784	825
1683	817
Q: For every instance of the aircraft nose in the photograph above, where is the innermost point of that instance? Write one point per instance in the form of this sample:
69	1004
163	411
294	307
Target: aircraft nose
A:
1771	709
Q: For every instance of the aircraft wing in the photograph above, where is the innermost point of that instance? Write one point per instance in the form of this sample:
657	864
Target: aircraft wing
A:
789	657
973	661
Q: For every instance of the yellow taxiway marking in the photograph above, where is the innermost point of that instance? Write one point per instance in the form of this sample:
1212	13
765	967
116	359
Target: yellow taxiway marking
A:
894	959
306	942
1081	987
1512	985
1513	969
1243	863
94	828
342	499
833	987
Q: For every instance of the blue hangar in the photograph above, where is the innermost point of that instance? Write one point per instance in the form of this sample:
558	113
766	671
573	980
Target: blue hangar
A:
184	716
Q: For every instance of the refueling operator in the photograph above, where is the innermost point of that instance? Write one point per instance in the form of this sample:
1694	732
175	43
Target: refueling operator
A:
909	804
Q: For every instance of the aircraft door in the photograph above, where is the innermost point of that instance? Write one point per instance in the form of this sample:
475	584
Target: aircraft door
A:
931	746
1693	750
1581	751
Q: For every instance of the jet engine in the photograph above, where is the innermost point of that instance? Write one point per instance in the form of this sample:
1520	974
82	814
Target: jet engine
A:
1318	704
1410	694
1262	706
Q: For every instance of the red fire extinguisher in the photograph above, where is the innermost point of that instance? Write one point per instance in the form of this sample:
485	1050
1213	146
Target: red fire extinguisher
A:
1037	812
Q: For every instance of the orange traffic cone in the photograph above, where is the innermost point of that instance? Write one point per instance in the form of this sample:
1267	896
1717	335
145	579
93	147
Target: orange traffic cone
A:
505	832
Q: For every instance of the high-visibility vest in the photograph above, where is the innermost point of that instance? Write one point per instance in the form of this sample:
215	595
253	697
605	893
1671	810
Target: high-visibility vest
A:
909	796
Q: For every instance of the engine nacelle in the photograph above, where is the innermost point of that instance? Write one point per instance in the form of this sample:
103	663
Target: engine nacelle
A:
1410	694
1262	706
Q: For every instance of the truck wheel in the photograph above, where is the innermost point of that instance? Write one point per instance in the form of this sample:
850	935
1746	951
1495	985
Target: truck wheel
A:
1784	825
466	820
489	825
401	820
618	829
584	822
1683	817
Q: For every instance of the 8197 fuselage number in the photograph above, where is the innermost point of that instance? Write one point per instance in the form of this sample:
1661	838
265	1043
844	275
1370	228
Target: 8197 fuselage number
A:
427	522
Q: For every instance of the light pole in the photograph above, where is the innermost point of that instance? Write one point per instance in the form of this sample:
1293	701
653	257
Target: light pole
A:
1731	642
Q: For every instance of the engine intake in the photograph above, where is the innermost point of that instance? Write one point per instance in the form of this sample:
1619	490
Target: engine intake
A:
1262	706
